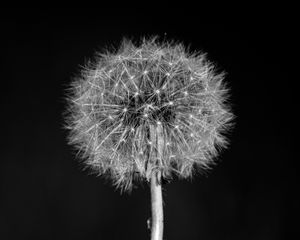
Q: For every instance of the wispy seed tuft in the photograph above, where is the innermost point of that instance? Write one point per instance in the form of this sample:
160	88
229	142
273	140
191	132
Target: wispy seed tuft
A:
118	101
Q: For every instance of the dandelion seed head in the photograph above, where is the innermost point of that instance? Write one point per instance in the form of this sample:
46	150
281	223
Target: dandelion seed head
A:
115	105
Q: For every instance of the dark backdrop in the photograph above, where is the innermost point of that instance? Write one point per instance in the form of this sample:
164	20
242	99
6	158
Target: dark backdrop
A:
46	195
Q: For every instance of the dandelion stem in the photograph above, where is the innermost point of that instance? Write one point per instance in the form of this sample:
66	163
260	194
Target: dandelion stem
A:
156	134
157	207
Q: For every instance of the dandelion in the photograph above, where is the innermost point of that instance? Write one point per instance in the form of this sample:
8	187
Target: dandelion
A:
148	111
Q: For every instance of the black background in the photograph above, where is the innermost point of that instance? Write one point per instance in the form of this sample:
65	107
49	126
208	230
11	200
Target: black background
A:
45	194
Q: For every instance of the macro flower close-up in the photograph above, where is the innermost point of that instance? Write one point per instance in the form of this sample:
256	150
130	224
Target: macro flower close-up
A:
122	123
146	107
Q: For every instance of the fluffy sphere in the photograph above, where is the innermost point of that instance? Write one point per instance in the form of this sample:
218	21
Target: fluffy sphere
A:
148	107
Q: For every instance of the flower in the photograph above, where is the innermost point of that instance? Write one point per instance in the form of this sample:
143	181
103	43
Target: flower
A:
148	107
